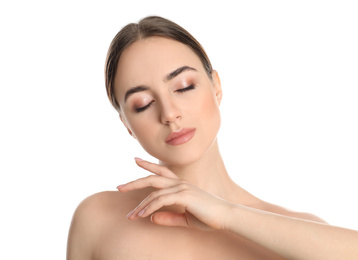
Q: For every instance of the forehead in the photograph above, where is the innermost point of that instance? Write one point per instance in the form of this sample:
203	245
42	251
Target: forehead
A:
148	60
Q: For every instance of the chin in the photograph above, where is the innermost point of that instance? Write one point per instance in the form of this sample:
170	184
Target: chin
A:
190	152
185	155
179	157
180	161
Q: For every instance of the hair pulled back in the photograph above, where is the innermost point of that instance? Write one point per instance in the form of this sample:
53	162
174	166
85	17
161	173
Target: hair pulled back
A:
147	27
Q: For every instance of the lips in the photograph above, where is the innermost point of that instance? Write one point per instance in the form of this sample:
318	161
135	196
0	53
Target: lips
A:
180	136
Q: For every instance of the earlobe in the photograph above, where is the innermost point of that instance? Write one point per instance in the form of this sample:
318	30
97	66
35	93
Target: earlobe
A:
130	132
217	86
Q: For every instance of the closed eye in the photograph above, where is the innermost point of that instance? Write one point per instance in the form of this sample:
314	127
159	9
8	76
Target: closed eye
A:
181	90
141	109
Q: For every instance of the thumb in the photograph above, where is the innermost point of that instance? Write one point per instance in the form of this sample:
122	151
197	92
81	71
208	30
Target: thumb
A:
179	220
169	219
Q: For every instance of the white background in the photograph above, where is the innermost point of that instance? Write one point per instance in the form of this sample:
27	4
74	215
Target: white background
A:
289	71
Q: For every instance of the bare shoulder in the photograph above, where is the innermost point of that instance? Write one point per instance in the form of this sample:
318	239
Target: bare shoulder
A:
290	213
100	204
85	225
96	207
94	217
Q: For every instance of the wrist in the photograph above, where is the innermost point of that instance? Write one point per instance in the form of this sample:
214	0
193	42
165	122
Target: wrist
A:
231	217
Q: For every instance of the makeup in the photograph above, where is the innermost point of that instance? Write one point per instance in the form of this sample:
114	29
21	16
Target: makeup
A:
180	136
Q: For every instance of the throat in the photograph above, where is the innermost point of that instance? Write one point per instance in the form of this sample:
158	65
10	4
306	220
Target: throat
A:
208	173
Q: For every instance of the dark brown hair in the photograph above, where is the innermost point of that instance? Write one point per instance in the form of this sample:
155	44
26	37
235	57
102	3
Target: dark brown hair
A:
147	27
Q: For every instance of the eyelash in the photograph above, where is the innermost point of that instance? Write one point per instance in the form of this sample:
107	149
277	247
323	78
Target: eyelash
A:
141	109
190	87
181	90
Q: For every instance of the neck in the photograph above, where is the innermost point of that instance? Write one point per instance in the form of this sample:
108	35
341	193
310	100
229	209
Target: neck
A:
209	174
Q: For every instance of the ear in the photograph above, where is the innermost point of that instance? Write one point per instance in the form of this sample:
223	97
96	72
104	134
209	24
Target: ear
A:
217	86
126	126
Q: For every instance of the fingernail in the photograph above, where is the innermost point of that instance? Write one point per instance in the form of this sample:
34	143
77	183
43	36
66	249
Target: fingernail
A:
138	159
130	214
120	186
141	212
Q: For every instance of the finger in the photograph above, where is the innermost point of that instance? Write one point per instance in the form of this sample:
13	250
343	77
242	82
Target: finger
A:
154	181
156	168
142	207
170	219
162	201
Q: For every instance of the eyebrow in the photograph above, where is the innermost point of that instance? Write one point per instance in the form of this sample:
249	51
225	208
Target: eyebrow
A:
170	76
134	90
177	72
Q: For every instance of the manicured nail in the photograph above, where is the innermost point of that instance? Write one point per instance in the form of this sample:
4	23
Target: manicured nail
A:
138	159
120	186
130	214
141	212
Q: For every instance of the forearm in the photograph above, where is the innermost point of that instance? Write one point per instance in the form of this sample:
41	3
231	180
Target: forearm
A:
291	237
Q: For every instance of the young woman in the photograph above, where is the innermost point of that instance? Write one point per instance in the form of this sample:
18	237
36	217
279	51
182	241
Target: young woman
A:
162	84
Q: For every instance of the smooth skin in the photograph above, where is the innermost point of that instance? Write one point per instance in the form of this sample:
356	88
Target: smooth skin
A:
311	240
190	208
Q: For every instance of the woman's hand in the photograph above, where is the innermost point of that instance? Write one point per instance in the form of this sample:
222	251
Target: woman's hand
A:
290	237
202	210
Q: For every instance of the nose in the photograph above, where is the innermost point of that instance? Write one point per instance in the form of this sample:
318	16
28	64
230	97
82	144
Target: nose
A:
170	113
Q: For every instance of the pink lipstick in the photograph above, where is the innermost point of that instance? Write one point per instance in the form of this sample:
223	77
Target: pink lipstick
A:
180	136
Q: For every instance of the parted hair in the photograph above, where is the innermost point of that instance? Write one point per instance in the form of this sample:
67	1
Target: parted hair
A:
145	28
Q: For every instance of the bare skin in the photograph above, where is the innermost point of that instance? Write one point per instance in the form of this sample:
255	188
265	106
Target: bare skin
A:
189	207
100	230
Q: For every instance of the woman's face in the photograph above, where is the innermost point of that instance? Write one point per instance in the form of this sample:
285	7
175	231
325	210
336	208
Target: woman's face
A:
164	92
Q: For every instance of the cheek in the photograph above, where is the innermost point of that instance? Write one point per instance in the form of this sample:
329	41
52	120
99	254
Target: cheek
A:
208	108
213	119
146	134
207	115
142	129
